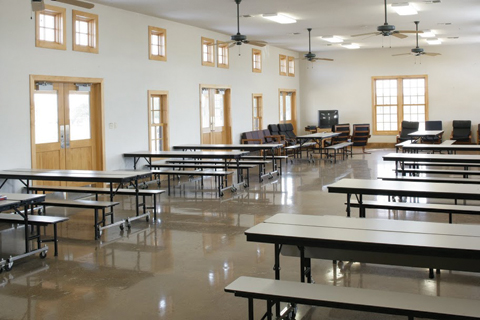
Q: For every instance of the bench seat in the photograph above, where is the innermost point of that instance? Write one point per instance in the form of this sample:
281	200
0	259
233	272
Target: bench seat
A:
464	173
99	191
37	220
442	164
414	206
89	204
433	179
219	175
342	147
357	299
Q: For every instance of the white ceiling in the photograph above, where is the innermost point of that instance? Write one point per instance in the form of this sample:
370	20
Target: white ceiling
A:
450	18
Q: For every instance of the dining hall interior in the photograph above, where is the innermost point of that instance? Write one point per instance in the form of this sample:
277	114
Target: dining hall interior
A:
107	86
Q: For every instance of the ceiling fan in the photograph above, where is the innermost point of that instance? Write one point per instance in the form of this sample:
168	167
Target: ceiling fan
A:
417	51
239	39
312	56
39	5
386	29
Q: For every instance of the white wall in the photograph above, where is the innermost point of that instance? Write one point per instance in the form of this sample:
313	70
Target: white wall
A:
128	74
345	84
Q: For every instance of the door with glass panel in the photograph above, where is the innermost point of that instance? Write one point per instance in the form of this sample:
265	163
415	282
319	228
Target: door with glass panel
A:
287	102
215	120
63	130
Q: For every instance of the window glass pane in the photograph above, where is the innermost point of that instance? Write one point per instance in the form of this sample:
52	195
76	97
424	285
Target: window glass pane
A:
83	27
49	21
156	103
79	104
156	117
154	39
219	118
49	35
46	117
288	108
83	39
205	110
154	50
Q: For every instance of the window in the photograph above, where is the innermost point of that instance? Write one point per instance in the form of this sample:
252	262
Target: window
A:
257	112
158	120
283	65
222	54
256	60
157	44
397	99
85	31
50	28
291	66
208	57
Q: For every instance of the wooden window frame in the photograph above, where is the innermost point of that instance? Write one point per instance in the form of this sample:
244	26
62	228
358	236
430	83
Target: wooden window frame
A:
92	20
222	47
209	43
290	63
256	53
59	14
282	64
255	96
161	33
400	102
164	124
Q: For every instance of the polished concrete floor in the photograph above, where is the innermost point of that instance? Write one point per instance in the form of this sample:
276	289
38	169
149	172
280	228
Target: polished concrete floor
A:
177	267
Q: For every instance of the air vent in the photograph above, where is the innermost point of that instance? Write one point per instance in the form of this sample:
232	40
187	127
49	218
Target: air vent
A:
453	38
444	24
433	1
246	16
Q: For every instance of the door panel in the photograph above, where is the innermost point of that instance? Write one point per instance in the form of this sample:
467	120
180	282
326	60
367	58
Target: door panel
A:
215	120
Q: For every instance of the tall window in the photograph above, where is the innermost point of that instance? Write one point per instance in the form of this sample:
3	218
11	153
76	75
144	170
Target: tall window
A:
283	65
157	44
208	56
222	54
291	66
158	120
397	99
85	31
257	112
256	60
287	103
50	26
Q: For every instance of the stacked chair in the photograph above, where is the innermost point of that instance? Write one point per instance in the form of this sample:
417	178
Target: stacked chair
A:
361	133
462	131
407	127
433	125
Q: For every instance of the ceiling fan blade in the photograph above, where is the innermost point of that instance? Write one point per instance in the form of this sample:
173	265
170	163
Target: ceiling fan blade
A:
325	59
399	35
401	54
232	44
407	31
77	3
257	43
432	54
366	34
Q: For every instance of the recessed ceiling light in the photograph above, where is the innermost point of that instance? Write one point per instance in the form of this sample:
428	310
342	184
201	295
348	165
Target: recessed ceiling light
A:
434	41
444	23
427	34
279	18
332	39
350	45
404	9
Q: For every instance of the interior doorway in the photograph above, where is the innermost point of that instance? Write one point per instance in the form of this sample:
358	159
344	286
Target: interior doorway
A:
288	107
215	115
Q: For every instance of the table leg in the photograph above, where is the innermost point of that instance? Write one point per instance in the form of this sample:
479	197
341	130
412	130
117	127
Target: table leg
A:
348	204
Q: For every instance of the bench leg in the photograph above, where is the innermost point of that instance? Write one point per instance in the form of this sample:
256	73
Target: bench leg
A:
250	309
55	241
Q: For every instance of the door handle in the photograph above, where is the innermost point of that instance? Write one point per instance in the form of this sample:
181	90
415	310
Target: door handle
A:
67	136
62	136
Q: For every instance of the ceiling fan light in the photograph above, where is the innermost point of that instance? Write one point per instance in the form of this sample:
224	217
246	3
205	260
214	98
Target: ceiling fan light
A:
434	41
404	9
350	45
427	34
279	18
332	39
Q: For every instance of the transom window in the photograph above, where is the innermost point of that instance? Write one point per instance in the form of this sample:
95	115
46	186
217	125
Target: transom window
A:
256	60
85	30
283	65
208	57
291	66
157	38
397	99
222	54
50	28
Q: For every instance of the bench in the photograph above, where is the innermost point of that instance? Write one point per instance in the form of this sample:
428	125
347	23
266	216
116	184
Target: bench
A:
402	144
100	191
414	206
219	175
464	173
357	299
278	159
39	221
432	179
441	164
257	162
89	204
296	149
342	147
201	166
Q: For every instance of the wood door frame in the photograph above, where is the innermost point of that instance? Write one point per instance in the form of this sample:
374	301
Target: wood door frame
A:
294	106
227	109
98	119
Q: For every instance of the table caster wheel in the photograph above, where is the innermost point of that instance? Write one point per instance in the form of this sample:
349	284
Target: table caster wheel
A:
129	225
8	266
122	227
147	218
43	254
245	185
221	194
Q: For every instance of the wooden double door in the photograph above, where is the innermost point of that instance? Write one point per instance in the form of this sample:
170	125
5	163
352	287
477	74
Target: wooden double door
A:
66	126
215	115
